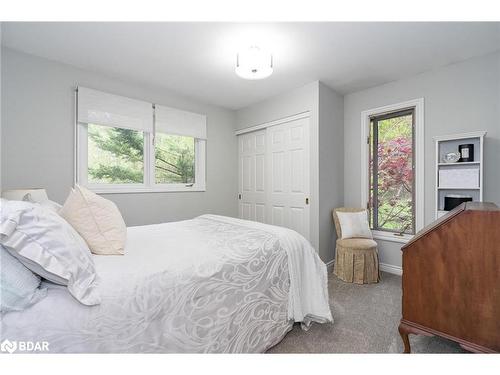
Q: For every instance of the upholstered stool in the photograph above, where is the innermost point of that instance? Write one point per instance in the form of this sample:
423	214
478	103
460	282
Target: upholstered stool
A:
356	259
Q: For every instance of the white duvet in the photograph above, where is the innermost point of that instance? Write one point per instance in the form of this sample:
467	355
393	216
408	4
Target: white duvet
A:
211	284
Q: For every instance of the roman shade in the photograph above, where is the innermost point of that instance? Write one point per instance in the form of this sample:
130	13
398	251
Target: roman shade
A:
174	121
100	108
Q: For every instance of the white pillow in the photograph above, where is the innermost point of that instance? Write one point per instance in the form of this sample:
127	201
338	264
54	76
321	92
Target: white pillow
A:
98	221
46	244
51	205
19	287
354	224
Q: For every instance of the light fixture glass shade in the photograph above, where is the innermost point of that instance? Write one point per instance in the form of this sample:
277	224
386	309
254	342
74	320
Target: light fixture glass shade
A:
254	63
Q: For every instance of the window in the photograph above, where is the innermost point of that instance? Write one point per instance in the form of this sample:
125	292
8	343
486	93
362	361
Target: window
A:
126	145
175	159
115	155
391	170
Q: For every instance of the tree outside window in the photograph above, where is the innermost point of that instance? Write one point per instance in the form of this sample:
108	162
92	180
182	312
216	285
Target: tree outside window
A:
116	156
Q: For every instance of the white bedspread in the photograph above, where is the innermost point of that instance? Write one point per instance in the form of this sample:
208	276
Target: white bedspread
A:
211	284
308	295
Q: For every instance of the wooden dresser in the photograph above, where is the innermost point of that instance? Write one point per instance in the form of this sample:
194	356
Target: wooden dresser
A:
451	279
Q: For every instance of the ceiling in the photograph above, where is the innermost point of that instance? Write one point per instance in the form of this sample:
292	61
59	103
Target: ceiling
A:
197	59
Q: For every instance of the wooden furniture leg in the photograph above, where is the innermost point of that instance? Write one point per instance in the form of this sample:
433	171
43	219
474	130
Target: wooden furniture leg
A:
404	332
406	329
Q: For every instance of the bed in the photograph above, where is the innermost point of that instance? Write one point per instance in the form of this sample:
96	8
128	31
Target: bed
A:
211	284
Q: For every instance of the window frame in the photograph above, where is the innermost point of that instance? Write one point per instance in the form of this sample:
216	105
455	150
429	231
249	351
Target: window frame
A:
149	185
374	127
418	150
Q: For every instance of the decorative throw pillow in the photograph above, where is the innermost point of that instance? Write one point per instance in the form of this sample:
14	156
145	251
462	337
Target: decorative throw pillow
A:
354	224
98	221
19	287
46	244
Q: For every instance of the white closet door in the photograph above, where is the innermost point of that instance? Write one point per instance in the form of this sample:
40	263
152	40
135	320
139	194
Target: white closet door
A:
252	176
288	175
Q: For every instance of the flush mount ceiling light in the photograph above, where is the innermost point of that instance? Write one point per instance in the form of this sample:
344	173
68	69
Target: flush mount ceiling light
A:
254	63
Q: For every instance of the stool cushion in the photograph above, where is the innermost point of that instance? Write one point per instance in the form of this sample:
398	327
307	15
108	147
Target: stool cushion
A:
357	243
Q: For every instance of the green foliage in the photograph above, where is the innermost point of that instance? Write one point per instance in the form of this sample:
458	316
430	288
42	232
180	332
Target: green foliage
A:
116	174
117	156
174	159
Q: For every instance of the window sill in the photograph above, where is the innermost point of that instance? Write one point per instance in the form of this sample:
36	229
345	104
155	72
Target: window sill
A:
392	237
142	189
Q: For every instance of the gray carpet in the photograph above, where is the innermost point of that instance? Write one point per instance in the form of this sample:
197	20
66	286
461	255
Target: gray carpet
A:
366	321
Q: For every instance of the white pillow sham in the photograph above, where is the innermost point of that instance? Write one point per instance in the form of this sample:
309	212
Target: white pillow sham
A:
46	244
354	224
19	287
98	221
51	205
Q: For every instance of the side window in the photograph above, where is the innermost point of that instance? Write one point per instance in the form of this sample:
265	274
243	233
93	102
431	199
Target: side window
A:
392	172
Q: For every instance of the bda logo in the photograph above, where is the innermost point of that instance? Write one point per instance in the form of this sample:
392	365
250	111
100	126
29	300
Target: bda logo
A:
24	346
8	346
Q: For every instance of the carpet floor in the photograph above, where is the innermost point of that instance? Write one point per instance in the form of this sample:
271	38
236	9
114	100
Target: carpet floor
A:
366	319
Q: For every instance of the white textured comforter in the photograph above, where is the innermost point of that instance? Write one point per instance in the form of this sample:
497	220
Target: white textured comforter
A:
211	284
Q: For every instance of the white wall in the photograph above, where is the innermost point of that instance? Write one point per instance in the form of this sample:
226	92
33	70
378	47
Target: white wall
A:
331	166
38	129
458	98
37	136
299	100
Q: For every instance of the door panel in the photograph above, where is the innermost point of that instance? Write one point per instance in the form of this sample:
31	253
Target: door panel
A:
289	175
274	175
246	212
297	172
260	172
278	171
278	215
297	216
260	141
260	212
252	176
247	173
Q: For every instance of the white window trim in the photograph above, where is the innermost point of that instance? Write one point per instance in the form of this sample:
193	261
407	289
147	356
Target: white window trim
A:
418	104
149	185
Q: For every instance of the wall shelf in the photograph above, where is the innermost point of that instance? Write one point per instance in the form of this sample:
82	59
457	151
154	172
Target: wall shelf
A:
459	164
450	143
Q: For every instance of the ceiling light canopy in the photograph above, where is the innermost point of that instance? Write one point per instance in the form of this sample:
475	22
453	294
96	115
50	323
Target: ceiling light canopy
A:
254	63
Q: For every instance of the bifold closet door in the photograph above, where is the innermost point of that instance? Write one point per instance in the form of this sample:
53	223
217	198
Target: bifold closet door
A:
274	178
288	175
252	181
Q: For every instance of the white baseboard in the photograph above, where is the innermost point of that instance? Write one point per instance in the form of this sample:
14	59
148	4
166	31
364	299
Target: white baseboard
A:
389	268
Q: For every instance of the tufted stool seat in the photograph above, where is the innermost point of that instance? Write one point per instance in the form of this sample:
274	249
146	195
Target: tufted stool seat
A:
356	259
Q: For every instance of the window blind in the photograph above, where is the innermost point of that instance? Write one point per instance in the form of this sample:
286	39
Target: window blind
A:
175	121
100	108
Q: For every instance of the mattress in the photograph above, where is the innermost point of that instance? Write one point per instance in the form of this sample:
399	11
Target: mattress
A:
212	284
